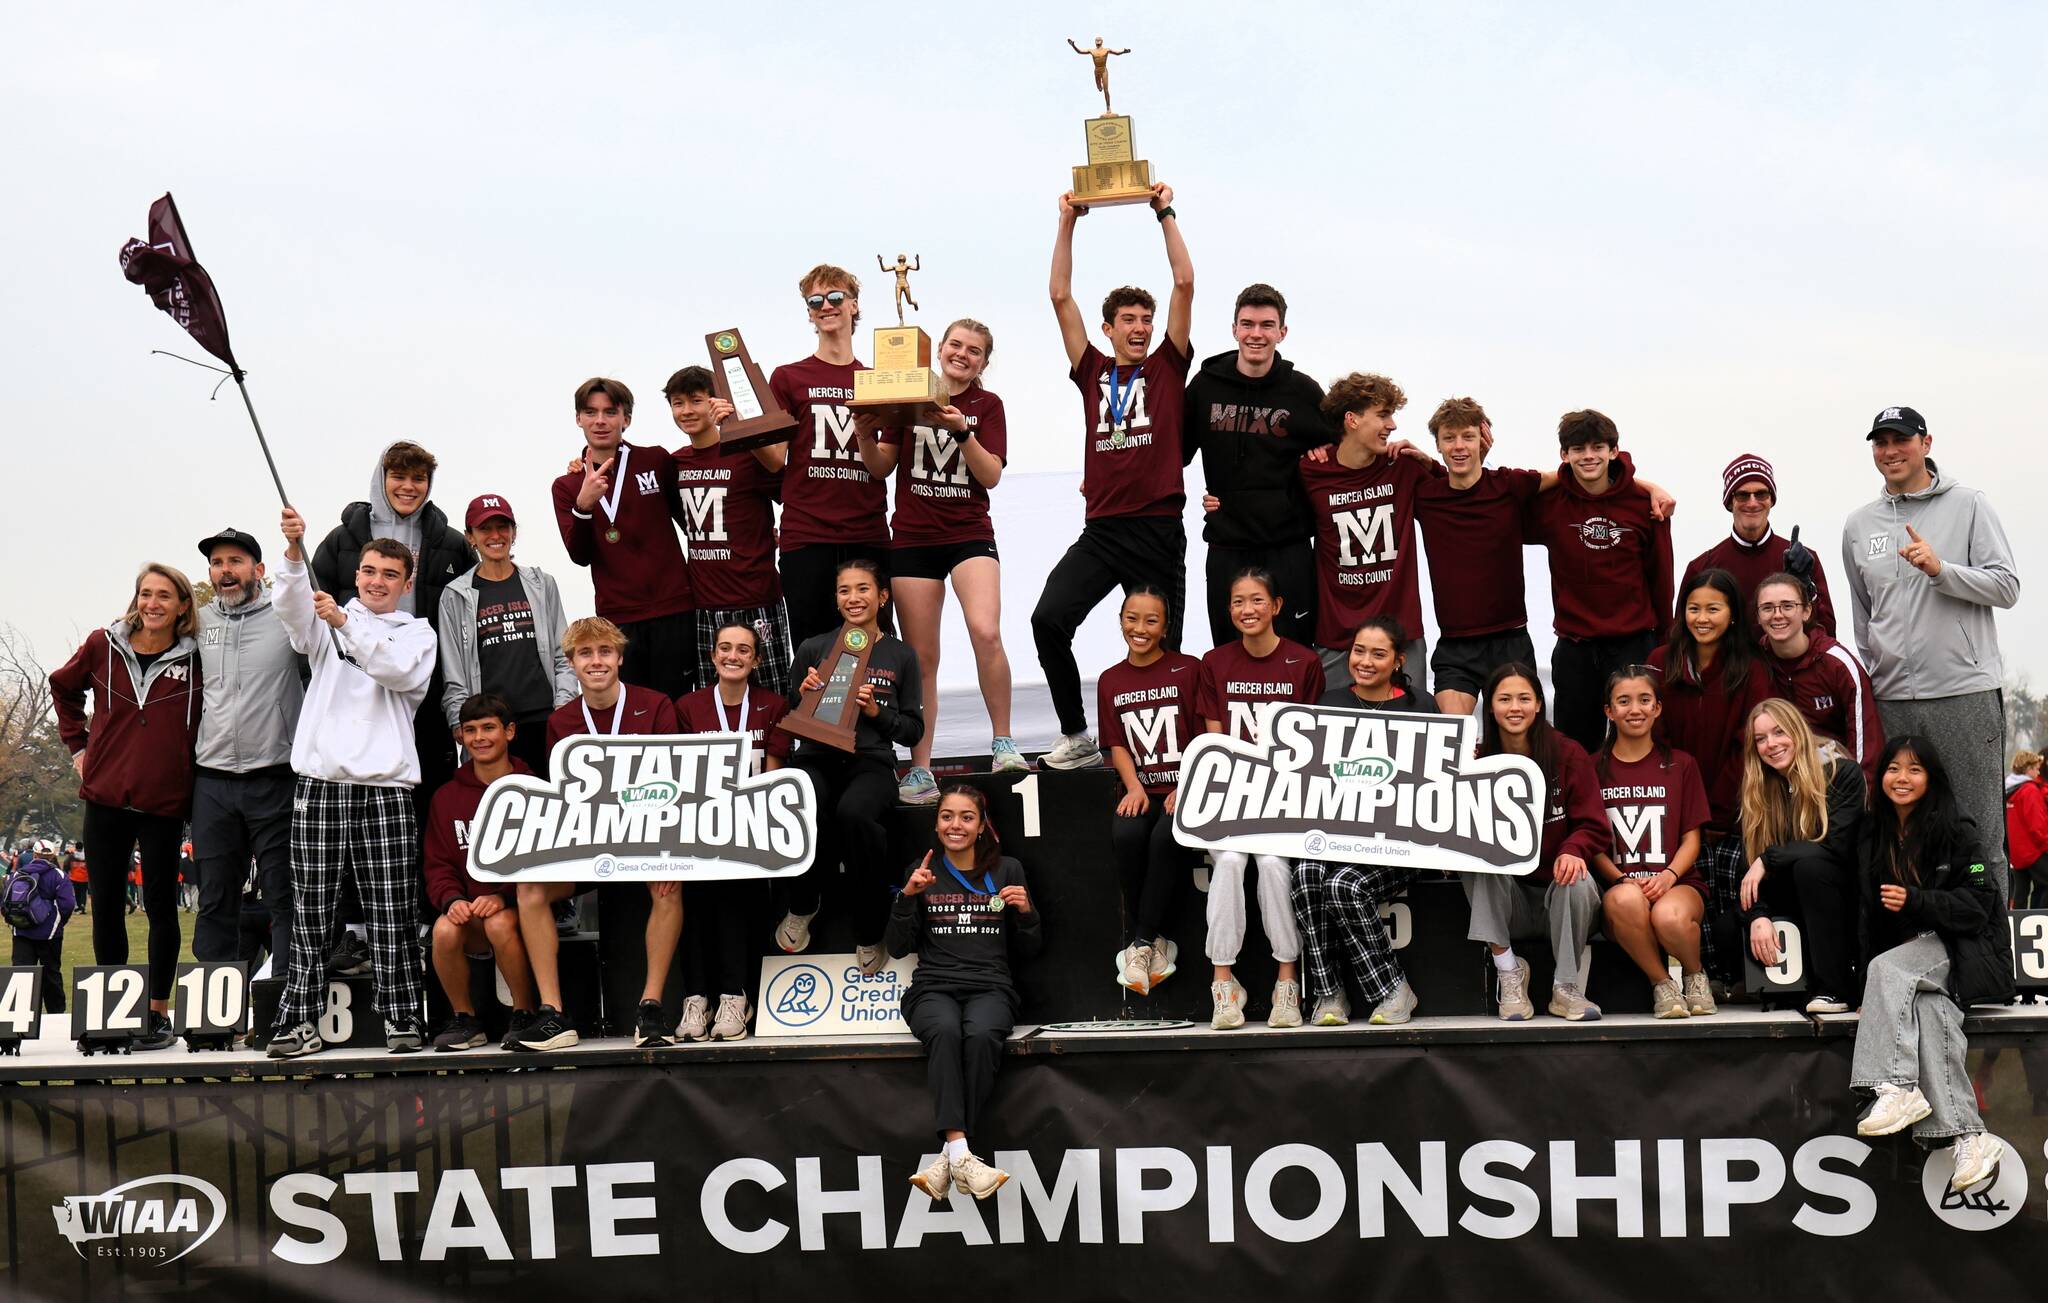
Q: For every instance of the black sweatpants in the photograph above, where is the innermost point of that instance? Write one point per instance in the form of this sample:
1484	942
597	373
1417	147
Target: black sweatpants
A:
963	1034
661	653
810	586
49	952
111	837
1151	866
1293	566
1821	895
855	795
716	918
237	817
1113	552
1578	681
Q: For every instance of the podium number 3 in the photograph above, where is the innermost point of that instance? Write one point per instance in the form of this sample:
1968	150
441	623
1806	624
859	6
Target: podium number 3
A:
125	988
2030	945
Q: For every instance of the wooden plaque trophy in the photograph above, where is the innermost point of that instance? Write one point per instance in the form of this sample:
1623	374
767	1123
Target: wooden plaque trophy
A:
902	382
828	715
1111	175
757	419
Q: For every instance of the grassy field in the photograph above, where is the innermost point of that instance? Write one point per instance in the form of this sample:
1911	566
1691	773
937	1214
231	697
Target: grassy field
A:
78	939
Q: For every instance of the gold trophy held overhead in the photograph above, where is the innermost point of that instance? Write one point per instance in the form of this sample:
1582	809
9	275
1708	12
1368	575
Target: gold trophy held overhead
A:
1111	175
902	383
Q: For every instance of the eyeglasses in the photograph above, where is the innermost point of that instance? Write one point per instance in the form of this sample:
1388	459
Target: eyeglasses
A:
1750	495
1779	608
816	301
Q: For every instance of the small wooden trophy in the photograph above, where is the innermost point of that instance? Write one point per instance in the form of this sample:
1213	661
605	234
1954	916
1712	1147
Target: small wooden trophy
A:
829	715
902	383
757	419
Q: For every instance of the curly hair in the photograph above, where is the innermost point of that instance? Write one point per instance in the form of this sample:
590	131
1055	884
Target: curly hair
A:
1362	392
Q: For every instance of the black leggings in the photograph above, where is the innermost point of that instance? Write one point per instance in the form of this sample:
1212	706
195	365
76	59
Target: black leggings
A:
1111	553
1821	894
1151	866
963	1034
716	916
855	796
111	837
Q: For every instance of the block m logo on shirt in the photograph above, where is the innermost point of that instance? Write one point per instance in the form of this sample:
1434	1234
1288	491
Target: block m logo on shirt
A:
647	481
832	437
936	456
1638	833
1133	392
704	510
1365	536
1154	735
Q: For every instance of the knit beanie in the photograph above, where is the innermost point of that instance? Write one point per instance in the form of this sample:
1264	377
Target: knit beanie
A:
1748	466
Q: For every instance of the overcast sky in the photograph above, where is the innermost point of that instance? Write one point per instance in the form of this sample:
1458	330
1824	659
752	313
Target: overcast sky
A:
1733	228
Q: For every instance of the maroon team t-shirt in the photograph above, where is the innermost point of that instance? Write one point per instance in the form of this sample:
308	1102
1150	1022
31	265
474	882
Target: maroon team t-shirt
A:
1149	711
730	526
1652	804
1234	683
938	500
827	494
1132	467
698	712
1365	544
1474	538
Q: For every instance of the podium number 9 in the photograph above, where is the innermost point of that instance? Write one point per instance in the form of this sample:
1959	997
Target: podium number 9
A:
1790	969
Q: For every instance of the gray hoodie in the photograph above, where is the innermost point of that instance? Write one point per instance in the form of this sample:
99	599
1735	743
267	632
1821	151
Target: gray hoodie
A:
254	684
462	667
385	522
1929	638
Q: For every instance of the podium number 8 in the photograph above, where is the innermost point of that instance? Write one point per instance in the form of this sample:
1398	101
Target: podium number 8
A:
126	987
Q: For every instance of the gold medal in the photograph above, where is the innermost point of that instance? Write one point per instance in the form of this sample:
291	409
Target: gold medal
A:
612	535
996	903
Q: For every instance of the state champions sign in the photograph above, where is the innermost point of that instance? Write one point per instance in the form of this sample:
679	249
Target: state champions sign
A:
1363	786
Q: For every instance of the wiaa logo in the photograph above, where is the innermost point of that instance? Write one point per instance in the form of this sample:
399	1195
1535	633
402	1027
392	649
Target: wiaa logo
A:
1984	1207
130	1223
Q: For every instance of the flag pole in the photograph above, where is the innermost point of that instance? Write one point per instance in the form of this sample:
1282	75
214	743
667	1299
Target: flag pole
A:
261	442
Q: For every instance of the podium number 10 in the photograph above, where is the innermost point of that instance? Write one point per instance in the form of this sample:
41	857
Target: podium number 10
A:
211	997
125	987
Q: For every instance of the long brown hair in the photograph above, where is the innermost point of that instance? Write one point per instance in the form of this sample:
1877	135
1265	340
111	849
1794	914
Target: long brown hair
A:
988	849
1792	807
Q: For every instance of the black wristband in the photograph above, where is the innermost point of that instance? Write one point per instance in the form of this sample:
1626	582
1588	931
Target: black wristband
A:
1167	212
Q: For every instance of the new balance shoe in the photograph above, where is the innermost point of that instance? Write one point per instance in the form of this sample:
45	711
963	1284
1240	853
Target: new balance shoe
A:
514	1028
1699	996
1977	1156
1074	751
295	1041
1332	1011
976	1177
463	1032
918	787
1568	1002
1137	966
696	1020
650	1025
1286	1004
1897	1107
1822	1002
1004	757
1229	999
1397	1008
935	1180
793	933
549	1030
734	1013
1667	1001
1515	1005
872	959
404	1035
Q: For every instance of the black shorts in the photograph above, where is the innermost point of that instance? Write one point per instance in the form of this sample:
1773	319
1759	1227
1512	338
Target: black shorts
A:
936	560
1464	664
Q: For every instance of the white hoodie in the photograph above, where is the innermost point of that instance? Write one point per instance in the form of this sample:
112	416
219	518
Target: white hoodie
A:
369	677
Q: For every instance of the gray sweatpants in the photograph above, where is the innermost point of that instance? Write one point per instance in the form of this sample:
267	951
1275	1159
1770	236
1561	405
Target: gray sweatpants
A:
1226	906
1911	1033
1969	731
1505	908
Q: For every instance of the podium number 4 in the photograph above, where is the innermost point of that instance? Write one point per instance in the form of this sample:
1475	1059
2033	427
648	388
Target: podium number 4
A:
18	1006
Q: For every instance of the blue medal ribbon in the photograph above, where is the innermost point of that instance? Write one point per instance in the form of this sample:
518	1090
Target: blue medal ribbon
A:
988	887
1120	396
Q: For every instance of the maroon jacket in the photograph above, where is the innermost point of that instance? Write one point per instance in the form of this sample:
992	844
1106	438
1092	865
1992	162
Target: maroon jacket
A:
138	747
1706	723
1610	563
1575	814
1832	689
449	819
1751	564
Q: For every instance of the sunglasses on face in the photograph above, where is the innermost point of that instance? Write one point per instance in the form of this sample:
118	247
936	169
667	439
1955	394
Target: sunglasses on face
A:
816	301
1750	495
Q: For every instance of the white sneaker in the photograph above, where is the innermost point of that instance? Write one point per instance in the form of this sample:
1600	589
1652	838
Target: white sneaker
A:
1332	1011
1897	1108
1229	1012
978	1178
873	959
1568	1002
793	933
1165	959
1397	1008
734	1013
1977	1156
696	1020
1074	751
1515	1005
936	1180
1825	1003
1286	1004
919	787
1137	962
1004	757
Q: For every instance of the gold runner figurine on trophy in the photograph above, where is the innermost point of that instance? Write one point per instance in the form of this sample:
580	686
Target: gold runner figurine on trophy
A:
1111	175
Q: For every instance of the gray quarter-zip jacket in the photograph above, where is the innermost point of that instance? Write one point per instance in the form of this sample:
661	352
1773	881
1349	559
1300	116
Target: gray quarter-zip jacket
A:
254	685
1927	638
462	668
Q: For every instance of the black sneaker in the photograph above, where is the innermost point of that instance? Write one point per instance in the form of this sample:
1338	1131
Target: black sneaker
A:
295	1041
463	1032
349	957
549	1030
403	1035
156	1033
520	1021
651	1028
565	916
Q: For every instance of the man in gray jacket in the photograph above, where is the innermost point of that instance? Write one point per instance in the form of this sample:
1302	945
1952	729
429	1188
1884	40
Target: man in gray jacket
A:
1928	562
242	784
501	630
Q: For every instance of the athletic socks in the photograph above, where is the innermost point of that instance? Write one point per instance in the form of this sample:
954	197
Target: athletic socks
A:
956	1150
1505	960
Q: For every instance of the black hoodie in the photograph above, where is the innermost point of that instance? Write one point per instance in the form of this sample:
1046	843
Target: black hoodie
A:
1251	432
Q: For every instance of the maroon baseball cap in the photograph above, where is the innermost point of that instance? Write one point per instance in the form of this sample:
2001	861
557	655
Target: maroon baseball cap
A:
485	507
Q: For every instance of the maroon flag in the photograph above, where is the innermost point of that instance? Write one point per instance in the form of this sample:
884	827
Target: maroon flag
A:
164	266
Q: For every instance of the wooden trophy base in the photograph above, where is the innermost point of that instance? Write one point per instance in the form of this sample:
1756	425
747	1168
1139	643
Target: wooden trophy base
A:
767	431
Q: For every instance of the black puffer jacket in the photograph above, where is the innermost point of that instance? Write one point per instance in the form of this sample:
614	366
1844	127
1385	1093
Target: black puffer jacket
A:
1956	899
444	554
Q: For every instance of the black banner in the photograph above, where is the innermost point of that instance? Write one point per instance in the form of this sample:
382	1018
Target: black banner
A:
1675	1169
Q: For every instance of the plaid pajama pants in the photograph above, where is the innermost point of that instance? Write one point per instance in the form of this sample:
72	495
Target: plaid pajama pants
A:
339	828
1722	866
1337	909
771	629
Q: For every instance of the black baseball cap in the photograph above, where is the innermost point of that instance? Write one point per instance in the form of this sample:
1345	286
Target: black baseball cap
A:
1902	419
230	534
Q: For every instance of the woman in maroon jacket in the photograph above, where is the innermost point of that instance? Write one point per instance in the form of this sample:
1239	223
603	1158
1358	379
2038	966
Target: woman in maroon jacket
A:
1712	680
1558	898
134	762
